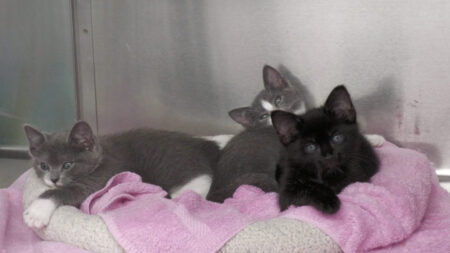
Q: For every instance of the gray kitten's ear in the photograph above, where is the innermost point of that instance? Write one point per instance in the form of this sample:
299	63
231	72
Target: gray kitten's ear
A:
82	136
285	123
244	116
34	136
339	105
273	79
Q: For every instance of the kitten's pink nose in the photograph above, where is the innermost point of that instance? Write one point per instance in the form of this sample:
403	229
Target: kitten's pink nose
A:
54	180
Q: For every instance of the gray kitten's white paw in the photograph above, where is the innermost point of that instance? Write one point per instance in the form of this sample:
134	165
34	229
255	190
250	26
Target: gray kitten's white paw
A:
375	139
39	212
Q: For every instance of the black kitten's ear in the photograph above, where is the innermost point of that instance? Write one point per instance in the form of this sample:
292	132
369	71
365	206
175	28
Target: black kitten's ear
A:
244	116
285	123
339	105
82	136
273	79
34	136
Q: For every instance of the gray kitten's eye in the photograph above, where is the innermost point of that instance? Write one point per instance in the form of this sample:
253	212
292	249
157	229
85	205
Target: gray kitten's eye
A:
43	166
278	100
338	138
310	148
67	165
263	116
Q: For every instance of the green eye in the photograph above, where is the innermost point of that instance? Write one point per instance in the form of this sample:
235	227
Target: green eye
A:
43	166
310	148
67	165
338	138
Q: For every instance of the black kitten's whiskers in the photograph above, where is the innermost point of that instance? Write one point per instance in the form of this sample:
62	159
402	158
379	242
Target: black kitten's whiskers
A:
313	175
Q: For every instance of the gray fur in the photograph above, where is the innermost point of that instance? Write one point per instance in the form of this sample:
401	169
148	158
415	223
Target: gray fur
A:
276	88
167	159
249	158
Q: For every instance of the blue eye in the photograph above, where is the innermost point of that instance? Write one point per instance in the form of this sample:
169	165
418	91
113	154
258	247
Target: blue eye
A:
310	148
263	116
67	165
44	166
338	138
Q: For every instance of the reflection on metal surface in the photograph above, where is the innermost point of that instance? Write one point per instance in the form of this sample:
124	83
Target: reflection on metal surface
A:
37	79
184	64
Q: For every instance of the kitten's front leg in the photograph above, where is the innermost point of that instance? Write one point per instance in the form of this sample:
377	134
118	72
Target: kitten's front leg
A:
310	193
38	214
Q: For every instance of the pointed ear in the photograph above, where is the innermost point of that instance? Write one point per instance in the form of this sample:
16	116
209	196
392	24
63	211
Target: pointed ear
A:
273	79
286	123
82	136
339	105
35	137
244	116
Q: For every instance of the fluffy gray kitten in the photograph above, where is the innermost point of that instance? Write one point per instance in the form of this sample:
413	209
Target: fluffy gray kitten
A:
277	94
251	156
77	163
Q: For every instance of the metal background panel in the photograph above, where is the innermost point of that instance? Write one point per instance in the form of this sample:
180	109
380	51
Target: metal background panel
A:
183	65
37	73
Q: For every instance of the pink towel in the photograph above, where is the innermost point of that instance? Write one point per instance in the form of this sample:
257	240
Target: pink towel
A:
403	209
15	236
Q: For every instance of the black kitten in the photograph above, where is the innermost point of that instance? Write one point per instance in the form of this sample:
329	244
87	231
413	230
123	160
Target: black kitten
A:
324	152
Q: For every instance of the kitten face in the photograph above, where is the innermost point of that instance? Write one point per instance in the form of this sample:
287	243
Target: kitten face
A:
277	95
325	137
60	158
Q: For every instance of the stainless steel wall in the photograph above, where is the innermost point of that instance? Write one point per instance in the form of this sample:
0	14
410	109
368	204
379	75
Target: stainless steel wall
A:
183	64
37	70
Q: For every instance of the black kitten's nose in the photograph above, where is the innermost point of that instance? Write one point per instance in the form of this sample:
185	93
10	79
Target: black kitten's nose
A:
54	180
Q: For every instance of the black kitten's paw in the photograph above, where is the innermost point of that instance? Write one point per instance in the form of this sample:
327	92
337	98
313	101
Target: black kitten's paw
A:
284	202
328	204
325	201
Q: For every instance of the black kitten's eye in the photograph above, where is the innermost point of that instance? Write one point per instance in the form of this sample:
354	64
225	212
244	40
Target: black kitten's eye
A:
43	166
263	116
338	138
310	148
278	100
67	165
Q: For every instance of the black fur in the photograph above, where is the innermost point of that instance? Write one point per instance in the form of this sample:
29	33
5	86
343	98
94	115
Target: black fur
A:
168	159
341	155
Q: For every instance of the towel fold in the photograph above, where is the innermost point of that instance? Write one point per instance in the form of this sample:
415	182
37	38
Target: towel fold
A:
402	209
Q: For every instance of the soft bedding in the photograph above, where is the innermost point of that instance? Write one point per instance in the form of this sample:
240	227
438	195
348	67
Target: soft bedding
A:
403	209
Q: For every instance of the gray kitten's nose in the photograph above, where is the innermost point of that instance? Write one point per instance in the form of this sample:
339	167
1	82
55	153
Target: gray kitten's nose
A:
54	180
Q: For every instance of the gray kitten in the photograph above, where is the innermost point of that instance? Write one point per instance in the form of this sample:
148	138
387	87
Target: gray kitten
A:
251	156
278	94
77	163
248	158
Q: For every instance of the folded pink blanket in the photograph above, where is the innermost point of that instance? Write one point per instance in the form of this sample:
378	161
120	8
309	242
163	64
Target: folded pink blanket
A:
403	209
15	236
